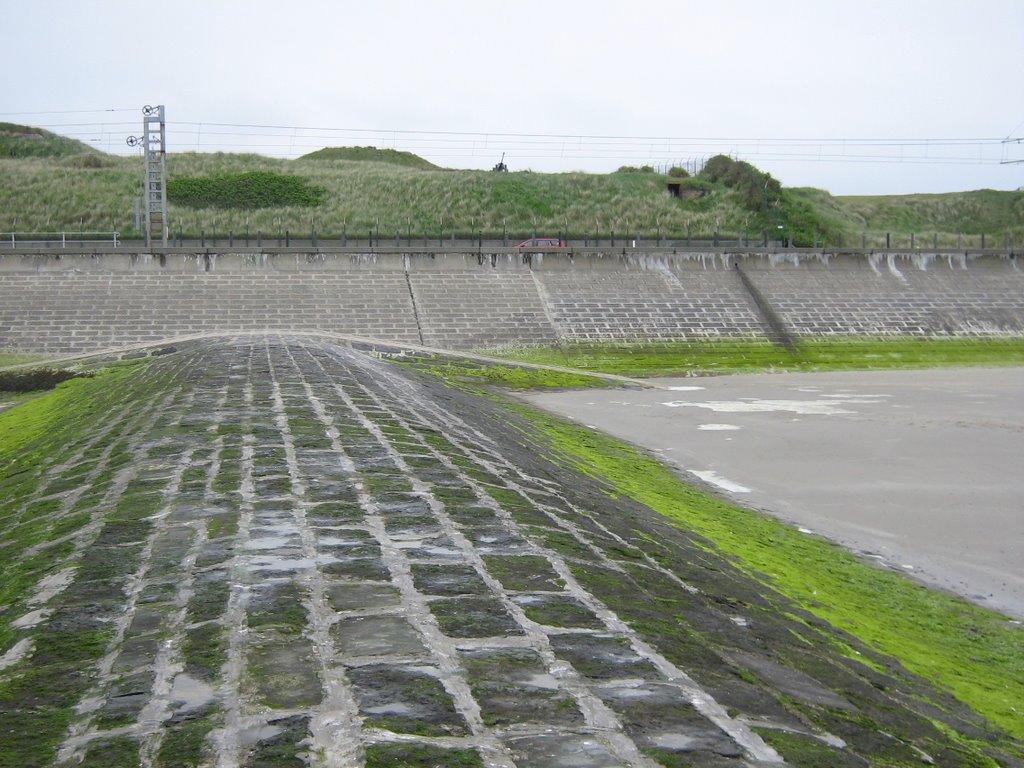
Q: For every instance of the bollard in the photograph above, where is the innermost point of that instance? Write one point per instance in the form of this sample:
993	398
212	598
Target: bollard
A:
287	239
259	239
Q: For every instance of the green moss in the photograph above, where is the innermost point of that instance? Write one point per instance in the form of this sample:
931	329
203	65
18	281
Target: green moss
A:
805	751
420	756
466	375
222	525
741	356
114	752
205	651
184	744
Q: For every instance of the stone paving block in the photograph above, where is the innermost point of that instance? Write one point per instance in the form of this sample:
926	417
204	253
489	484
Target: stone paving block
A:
474	617
406	700
282	671
662	718
524	572
568	750
362	597
513	688
447	579
359	636
558	611
602	656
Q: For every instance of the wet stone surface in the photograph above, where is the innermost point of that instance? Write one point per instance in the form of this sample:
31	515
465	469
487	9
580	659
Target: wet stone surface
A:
291	553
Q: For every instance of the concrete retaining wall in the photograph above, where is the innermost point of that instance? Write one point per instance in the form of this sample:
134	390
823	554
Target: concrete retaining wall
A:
70	303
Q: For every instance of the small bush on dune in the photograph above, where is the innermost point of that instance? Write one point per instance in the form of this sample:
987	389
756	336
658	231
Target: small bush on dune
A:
249	190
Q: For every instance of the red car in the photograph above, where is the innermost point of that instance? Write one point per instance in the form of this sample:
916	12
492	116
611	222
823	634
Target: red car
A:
542	242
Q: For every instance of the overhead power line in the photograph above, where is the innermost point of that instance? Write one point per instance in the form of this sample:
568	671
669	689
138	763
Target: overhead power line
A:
293	141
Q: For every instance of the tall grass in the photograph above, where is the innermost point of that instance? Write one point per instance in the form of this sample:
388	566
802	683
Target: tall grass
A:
58	194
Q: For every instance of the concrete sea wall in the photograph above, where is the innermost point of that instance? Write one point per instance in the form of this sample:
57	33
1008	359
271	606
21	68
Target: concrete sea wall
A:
67	302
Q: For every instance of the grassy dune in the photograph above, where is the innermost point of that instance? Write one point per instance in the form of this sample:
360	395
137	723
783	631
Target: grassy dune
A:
46	186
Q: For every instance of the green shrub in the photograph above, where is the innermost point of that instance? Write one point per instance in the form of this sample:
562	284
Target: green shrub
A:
758	191
249	190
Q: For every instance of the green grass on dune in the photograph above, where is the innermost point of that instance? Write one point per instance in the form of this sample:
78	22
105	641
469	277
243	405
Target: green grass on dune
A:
727	356
63	186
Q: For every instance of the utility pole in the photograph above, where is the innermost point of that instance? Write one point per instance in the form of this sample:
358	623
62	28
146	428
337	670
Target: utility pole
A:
154	174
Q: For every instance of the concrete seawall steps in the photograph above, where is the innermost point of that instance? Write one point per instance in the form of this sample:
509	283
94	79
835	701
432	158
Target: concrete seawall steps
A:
73	303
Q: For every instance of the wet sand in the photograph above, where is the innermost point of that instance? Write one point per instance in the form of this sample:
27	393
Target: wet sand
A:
918	470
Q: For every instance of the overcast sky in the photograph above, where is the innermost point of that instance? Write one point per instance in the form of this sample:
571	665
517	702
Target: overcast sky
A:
853	96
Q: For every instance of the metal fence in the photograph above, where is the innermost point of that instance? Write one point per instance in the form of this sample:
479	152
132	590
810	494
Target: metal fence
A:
477	241
58	239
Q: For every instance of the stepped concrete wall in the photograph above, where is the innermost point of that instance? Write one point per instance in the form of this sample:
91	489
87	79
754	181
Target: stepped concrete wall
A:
69	303
654	300
895	294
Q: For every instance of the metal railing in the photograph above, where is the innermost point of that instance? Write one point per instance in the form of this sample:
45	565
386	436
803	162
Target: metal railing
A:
58	239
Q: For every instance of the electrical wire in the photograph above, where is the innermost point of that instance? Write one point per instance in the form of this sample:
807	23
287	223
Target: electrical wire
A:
295	141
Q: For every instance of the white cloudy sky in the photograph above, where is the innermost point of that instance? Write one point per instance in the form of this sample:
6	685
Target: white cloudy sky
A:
854	96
